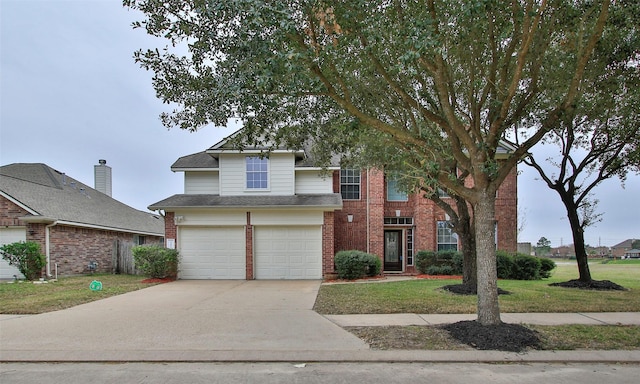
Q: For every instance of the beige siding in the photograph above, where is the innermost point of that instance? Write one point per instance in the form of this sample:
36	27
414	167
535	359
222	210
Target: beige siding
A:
217	217
232	175
275	217
313	182
201	183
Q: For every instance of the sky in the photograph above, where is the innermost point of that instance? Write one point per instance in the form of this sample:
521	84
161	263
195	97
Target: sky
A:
71	94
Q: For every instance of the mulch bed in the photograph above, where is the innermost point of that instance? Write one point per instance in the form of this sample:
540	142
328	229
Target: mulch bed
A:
599	285
158	281
439	277
467	289
502	337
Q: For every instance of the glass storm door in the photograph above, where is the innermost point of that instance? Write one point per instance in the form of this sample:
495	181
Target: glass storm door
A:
393	250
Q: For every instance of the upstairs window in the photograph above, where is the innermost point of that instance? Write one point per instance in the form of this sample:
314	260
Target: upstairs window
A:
350	184
393	193
447	239
257	172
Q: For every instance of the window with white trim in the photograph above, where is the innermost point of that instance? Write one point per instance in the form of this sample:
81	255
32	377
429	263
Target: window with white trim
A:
350	184
393	193
447	239
257	170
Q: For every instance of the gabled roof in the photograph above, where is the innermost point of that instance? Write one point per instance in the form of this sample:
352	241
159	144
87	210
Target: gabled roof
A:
324	201
625	244
51	196
197	161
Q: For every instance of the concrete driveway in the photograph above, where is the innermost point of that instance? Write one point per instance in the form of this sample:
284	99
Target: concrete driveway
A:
182	320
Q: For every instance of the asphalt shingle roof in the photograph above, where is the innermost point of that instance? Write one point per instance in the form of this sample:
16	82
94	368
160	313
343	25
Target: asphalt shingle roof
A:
57	196
331	200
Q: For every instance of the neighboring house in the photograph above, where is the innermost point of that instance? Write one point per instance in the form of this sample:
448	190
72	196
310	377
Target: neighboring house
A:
620	249
245	215
78	228
632	254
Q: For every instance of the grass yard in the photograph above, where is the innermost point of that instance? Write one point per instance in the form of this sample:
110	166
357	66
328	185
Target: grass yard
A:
29	298
425	296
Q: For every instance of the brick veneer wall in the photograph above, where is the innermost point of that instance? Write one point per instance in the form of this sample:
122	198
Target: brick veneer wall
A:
249	248
328	235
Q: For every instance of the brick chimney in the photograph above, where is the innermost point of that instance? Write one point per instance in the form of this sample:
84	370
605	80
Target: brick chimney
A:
102	175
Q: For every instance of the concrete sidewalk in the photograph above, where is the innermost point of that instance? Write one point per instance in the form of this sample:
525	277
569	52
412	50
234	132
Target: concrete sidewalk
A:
404	319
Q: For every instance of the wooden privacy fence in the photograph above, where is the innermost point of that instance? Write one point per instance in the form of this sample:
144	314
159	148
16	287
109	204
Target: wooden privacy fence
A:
123	258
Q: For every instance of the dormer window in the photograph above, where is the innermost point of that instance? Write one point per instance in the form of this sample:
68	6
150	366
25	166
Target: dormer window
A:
257	172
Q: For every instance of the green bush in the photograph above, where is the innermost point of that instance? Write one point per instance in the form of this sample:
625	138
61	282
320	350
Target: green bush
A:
504	264
440	270
546	266
156	261
526	267
26	257
453	260
355	264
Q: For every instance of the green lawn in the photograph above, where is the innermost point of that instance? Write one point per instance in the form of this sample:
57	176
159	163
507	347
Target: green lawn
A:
29	298
425	296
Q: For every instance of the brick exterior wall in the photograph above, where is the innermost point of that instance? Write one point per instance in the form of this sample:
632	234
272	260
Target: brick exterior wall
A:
249	248
328	234
424	212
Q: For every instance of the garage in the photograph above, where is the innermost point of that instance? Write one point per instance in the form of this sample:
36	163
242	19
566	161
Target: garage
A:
8	236
212	253
288	252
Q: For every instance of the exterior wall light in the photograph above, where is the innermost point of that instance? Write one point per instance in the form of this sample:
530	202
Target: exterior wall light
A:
350	218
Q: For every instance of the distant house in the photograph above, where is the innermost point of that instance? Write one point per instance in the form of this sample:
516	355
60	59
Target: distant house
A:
247	215
632	254
79	228
620	249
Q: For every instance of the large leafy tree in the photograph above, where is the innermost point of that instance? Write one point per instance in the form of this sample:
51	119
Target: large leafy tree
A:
445	79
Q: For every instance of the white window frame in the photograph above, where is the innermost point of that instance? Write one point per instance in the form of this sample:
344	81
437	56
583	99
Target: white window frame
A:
349	174
247	171
445	236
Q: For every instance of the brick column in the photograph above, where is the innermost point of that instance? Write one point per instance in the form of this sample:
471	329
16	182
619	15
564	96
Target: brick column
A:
170	228
376	193
249	248
328	236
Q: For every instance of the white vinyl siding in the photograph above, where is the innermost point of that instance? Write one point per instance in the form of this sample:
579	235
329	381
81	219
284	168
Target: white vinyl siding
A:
8	236
312	182
212	253
202	218
201	183
233	175
288	252
271	217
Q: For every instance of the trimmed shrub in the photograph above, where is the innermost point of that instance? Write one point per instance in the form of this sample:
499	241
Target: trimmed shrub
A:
156	261
425	259
26	257
440	270
546	266
504	264
355	264
451	259
525	267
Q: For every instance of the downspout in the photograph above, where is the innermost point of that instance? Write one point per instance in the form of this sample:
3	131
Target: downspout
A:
368	210
47	246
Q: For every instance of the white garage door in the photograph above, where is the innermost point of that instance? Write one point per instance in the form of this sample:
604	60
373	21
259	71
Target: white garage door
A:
212	253
8	236
288	252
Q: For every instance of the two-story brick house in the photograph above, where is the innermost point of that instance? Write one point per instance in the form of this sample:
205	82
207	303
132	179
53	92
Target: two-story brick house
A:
247	215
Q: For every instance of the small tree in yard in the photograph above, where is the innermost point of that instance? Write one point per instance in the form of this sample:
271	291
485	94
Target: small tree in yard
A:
26	257
155	261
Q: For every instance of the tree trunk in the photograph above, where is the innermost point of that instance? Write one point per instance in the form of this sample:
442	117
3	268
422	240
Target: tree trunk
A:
578	239
488	306
468	241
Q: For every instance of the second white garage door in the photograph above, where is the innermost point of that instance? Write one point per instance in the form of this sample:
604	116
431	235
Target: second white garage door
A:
288	252
8	236
212	253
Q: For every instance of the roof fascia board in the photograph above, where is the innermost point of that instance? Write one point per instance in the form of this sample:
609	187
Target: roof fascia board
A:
303	168
49	220
252	151
195	169
19	204
250	207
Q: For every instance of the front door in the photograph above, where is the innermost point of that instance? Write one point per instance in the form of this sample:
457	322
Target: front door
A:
393	250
